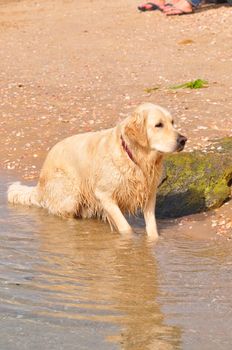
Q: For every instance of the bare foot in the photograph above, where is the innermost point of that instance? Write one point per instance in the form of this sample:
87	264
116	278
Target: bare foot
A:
180	7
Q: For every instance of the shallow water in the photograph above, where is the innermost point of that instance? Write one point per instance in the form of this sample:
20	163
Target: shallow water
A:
72	284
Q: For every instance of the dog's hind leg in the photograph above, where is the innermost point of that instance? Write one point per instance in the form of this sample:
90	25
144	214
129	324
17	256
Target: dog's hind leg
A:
59	197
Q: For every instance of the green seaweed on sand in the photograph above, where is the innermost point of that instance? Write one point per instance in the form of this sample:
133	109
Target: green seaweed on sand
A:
194	84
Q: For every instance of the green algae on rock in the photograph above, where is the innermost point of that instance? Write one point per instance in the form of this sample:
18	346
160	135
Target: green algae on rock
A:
197	181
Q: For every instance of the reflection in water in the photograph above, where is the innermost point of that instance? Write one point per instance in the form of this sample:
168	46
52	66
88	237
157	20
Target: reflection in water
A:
112	292
109	280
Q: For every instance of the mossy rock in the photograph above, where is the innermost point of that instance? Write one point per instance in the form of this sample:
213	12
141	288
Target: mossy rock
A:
197	181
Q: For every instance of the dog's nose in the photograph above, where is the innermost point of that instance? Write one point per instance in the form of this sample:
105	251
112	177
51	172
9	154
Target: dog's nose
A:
181	141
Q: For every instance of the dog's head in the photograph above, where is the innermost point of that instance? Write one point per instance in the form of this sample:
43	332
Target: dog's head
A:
152	127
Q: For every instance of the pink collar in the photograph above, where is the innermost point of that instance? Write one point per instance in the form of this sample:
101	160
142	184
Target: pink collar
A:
127	149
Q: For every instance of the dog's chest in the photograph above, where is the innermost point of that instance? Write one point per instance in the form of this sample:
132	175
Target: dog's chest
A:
135	188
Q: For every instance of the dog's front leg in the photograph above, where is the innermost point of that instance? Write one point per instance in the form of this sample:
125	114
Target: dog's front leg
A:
149	216
114	213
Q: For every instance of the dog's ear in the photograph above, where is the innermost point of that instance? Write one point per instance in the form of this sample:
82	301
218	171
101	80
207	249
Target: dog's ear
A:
136	128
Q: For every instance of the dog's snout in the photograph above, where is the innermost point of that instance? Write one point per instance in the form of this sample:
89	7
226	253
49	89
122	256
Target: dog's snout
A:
181	141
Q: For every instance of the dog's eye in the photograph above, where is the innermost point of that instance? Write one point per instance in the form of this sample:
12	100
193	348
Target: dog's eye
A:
159	125
172	122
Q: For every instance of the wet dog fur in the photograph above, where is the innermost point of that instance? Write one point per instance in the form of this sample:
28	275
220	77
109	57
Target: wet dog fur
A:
107	173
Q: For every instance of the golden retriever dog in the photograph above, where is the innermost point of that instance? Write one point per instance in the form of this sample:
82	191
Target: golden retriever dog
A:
107	173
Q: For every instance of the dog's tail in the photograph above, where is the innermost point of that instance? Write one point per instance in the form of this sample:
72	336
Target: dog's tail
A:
21	194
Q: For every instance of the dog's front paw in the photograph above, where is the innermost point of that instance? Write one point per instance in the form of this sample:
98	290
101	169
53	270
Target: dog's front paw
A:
152	235
127	232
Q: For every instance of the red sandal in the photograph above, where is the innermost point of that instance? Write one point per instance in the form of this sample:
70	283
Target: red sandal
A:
149	6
